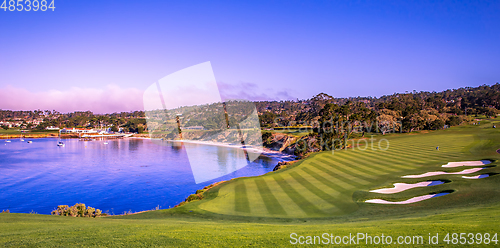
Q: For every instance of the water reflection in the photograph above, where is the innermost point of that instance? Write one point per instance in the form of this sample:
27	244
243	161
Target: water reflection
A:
133	174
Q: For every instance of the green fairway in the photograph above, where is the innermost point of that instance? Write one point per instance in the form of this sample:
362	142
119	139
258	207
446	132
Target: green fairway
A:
323	193
337	183
161	230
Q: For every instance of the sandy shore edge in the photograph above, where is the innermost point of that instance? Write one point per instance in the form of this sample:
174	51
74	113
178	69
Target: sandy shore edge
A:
263	151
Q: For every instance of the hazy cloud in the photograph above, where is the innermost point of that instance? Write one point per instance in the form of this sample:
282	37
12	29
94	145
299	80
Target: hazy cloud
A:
113	98
110	99
251	92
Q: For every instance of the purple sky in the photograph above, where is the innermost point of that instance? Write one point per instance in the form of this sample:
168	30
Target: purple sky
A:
101	55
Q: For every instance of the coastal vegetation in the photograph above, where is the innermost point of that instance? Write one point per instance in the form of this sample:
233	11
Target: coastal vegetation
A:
78	210
329	184
322	193
378	142
410	111
198	195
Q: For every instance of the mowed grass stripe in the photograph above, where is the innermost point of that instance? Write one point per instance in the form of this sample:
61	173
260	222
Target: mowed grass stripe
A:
452	141
377	158
410	152
257	205
442	153
366	167
346	170
404	153
326	182
286	202
241	203
342	182
309	208
353	182
411	147
272	204
315	190
392	164
415	159
363	160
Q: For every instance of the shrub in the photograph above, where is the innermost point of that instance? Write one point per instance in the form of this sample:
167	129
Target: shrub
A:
194	197
198	195
78	210
5	212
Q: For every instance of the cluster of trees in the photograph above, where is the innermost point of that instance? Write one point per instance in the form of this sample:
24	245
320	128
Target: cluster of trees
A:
405	111
214	116
129	121
78	210
333	121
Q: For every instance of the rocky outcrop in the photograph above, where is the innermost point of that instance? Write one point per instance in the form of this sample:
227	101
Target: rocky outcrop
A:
298	146
280	165
280	142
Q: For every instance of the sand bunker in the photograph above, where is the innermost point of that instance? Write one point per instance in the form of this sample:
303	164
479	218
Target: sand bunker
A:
399	187
411	200
428	174
466	163
476	177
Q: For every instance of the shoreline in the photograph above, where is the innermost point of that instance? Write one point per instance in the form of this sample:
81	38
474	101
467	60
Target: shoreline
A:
281	157
28	136
264	151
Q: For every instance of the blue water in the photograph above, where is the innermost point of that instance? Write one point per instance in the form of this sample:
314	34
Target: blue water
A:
124	175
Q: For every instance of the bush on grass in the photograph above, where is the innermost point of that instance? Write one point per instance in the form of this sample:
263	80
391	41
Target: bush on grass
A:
78	210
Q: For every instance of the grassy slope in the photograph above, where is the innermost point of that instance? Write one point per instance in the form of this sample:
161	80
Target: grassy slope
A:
327	185
19	230
324	193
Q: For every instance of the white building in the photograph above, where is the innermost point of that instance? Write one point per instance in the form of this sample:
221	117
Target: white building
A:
78	130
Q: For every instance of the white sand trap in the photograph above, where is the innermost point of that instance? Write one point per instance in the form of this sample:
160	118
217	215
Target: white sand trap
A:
466	163
428	174
411	200
400	187
476	177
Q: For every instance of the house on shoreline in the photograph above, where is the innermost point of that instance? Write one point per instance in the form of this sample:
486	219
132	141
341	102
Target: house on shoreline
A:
78	130
193	128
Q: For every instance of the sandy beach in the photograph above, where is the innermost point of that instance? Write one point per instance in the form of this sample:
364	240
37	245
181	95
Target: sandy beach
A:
263	151
260	150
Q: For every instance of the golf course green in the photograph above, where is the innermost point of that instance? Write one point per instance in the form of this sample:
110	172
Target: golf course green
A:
324	193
